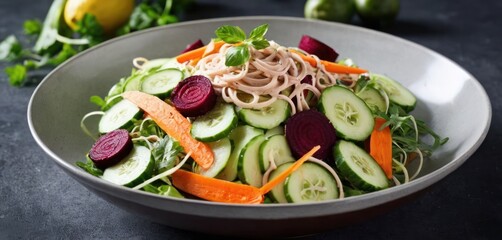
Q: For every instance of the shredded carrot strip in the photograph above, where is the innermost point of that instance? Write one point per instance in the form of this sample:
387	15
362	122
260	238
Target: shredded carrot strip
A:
331	66
174	124
281	177
218	190
198	53
381	146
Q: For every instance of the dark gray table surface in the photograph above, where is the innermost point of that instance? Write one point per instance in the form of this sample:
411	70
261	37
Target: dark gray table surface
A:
39	201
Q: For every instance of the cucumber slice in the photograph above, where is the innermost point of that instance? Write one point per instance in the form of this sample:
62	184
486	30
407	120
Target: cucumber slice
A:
133	169
119	116
161	83
215	124
373	98
397	93
240	136
133	83
277	193
358	167
274	131
248	167
275	148
156	63
348	113
221	150
310	183
267	117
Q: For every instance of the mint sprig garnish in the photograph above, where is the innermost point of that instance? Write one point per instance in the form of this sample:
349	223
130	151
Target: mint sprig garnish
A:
239	54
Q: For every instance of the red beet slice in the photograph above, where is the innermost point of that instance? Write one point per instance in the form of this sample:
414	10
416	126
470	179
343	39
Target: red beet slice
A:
309	128
111	148
318	48
194	96
193	46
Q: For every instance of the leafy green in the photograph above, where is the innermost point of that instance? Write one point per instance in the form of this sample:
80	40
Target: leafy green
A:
231	34
151	14
89	167
407	132
55	43
16	74
32	27
238	55
10	49
89	28
164	190
165	153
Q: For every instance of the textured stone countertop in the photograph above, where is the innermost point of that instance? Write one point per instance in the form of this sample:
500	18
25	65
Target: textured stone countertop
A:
39	201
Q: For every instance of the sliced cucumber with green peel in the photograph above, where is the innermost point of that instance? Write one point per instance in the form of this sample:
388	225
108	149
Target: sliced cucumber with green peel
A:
397	93
248	167
161	83
133	169
133	83
372	97
266	117
215	124
358	167
349	114
310	183
277	193
274	131
221	150
156	63
118	116
276	149
239	136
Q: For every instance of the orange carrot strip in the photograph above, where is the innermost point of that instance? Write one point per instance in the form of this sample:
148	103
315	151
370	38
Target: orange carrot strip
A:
198	53
272	183
216	190
331	66
381	146
173	123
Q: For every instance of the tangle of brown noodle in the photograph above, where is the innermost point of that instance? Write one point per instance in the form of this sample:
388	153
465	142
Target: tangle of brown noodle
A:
270	74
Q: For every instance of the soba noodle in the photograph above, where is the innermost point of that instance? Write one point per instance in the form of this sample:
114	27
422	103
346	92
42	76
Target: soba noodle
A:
270	74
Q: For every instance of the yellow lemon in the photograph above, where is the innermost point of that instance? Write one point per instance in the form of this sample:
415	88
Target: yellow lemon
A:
111	14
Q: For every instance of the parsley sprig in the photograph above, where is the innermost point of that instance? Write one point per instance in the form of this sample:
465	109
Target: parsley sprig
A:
239	54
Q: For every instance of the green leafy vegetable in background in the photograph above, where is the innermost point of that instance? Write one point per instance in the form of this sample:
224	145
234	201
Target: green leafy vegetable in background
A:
56	42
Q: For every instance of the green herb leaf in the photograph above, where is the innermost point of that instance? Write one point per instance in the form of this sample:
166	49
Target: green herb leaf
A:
97	100
89	27
89	167
65	53
259	32
164	190
260	44
143	16
166	19
17	74
10	49
237	55
32	27
230	34
165	153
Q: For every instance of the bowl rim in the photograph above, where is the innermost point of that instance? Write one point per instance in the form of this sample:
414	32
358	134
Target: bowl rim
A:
349	204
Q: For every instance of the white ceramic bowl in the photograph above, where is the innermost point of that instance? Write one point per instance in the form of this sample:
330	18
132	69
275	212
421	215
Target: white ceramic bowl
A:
446	95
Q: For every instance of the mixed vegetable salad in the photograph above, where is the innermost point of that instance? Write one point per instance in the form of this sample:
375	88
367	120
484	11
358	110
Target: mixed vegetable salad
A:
246	120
